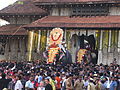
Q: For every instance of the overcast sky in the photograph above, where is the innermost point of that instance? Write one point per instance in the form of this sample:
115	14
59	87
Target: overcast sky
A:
5	3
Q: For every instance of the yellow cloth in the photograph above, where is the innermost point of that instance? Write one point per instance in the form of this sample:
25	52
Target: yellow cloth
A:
52	84
80	54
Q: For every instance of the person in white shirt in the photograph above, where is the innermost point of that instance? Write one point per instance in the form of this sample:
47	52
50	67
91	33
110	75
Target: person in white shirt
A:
18	84
30	84
109	82
85	82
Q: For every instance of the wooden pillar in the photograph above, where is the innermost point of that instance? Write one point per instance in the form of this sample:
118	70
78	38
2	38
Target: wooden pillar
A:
100	49
118	61
109	48
30	45
109	43
39	36
119	42
65	35
48	34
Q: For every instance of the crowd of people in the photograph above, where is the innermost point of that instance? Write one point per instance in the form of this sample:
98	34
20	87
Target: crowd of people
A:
41	76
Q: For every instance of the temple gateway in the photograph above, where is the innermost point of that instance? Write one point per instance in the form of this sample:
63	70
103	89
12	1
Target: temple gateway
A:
90	25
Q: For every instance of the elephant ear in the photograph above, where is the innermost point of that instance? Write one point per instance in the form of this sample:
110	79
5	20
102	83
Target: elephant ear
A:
91	41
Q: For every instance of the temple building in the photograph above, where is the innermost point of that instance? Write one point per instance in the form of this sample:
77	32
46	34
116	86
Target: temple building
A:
86	23
14	38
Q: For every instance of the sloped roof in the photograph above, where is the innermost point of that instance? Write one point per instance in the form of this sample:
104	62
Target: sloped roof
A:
73	1
77	22
12	29
22	7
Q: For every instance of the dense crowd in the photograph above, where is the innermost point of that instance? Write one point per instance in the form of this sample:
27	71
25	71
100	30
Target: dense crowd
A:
42	76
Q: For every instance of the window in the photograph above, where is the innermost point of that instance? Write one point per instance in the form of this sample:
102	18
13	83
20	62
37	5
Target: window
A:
90	10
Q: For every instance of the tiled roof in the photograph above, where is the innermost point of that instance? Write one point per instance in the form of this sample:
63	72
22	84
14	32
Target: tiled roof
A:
77	22
74	1
12	30
22	7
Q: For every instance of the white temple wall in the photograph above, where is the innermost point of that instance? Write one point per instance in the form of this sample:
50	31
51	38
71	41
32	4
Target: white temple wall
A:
60	12
114	10
55	12
12	20
20	20
23	20
82	32
65	12
91	32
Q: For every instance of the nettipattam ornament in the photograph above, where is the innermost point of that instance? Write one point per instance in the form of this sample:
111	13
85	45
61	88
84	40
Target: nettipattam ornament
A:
56	36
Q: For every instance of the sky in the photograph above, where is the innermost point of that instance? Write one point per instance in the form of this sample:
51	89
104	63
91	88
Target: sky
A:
3	4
